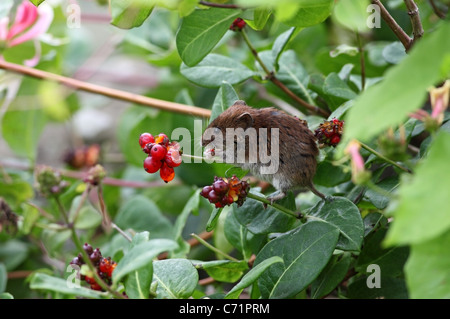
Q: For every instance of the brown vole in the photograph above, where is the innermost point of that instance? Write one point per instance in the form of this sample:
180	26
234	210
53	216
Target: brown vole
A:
273	145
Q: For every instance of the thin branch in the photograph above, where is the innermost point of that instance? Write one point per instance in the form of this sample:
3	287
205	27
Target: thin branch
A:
219	5
413	12
384	158
436	10
395	27
271	76
109	92
362	61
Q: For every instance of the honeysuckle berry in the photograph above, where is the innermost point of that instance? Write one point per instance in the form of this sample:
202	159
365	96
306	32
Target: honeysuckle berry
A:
146	138
329	132
237	25
166	173
151	165
158	152
224	192
173	157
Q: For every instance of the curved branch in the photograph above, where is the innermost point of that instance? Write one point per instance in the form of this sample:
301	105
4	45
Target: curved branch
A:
113	93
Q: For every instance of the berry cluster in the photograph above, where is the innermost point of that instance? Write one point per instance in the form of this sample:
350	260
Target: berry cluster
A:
50	182
105	266
163	155
329	132
224	192
238	24
82	157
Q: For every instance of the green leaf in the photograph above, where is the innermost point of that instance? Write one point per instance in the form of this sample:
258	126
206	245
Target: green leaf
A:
242	239
140	213
281	42
394	53
6	295
22	130
337	90
381	201
352	14
226	96
252	276
292	74
41	281
175	278
260	18
201	31
427	271
15	191
425	58
191	205
224	270
391	288
36	2
141	255
422	212
30	215
127	14
137	283
3	277
345	216
310	13
390	260
88	216
329	175
212	222
331	276
215	69
305	252
13	253
260	220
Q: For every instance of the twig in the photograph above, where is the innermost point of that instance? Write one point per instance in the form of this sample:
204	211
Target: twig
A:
436	10
362	61
384	158
271	76
214	249
395	27
219	5
275	205
113	93
413	12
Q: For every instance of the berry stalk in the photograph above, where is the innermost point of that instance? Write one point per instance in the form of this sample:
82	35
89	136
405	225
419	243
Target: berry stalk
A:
275	205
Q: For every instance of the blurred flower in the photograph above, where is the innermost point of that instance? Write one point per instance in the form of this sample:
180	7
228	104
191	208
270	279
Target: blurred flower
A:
29	24
439	102
359	173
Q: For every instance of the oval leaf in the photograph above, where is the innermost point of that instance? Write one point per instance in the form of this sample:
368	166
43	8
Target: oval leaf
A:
345	216
201	31
215	69
141	255
305	253
176	278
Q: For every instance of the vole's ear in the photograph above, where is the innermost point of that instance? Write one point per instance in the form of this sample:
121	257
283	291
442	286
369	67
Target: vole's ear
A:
245	120
239	102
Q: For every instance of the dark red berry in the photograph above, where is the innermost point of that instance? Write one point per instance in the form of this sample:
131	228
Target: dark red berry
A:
151	165
238	24
205	191
76	261
335	140
213	197
95	256
96	286
158	152
146	138
88	248
162	139
220	186
147	149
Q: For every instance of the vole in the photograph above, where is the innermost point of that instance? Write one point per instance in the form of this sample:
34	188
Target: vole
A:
286	153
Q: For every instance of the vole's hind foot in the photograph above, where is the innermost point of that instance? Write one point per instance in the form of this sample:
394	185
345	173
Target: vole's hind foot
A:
276	196
316	192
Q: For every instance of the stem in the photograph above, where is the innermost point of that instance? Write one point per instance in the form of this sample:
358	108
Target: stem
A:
271	76
106	221
362	61
394	26
275	205
413	12
436	10
211	247
124	234
384	158
62	211
219	5
112	93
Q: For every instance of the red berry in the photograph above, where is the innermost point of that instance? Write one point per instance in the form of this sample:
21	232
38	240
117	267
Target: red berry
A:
96	286
148	147
104	265
220	186
162	139
146	138
89	280
218	205
213	197
158	152
173	157
335	140
151	165
205	191
237	25
167	173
